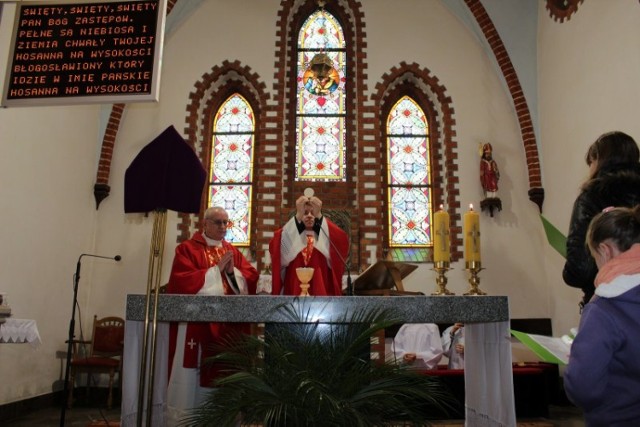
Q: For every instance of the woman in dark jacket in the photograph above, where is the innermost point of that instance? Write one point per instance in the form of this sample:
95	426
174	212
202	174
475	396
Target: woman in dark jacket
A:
614	180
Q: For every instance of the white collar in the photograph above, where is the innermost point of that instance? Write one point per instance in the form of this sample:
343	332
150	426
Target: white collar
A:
211	242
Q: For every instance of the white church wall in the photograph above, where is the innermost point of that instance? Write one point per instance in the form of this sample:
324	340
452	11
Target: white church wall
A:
47	165
588	68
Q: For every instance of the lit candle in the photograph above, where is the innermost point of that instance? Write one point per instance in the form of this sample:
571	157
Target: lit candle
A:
471	232
441	243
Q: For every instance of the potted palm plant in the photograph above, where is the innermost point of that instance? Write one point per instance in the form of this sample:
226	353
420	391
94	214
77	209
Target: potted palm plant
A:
318	374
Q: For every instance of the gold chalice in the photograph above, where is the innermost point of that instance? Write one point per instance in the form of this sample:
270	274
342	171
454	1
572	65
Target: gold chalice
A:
304	275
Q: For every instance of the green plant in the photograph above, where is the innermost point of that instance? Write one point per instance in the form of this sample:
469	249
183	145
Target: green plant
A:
318	374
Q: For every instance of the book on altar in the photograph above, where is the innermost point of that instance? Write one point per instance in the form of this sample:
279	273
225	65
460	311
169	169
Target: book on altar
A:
548	349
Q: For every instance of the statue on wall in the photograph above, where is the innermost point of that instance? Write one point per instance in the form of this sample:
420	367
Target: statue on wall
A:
489	173
489	177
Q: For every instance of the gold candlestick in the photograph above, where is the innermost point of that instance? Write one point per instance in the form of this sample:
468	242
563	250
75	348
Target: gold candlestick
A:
304	275
474	268
441	268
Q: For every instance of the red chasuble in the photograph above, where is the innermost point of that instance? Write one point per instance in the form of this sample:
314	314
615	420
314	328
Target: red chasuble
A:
192	261
327	276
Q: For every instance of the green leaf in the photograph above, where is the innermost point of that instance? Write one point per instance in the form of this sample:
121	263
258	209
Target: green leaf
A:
556	239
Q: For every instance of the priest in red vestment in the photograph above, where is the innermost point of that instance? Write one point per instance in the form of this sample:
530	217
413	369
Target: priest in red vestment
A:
206	264
308	239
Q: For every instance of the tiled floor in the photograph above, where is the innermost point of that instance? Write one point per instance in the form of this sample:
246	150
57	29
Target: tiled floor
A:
560	416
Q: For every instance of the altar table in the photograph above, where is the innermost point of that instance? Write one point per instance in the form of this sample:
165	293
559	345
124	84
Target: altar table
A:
488	374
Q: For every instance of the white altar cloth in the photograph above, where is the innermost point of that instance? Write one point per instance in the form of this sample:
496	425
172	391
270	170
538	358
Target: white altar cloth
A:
133	338
17	331
488	375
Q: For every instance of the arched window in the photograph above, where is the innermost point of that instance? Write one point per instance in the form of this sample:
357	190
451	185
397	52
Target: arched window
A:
320	109
231	169
409	191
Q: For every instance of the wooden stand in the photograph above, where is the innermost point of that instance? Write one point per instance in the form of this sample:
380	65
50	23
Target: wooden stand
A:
384	278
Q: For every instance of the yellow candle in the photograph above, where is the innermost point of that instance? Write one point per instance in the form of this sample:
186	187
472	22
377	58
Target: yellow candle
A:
471	230
441	242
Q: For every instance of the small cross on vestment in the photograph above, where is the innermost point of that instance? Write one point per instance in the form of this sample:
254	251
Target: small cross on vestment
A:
192	344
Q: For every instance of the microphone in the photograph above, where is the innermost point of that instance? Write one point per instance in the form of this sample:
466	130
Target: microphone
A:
116	258
346	267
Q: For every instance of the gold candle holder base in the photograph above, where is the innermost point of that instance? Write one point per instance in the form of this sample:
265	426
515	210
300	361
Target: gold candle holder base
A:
304	275
441	268
474	268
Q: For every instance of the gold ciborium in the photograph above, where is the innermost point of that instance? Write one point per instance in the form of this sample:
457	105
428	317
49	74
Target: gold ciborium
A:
474	268
304	275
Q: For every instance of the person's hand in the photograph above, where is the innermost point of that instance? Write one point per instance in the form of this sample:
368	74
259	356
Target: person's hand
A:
226	262
455	328
409	358
301	205
460	348
316	207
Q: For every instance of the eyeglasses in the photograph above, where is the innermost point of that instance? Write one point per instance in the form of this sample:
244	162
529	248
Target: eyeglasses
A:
219	222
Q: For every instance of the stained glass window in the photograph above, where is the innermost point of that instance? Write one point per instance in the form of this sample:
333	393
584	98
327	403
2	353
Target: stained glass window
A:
408	175
320	105
231	176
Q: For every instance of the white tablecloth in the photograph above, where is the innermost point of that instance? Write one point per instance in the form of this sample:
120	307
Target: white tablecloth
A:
15	331
133	333
488	376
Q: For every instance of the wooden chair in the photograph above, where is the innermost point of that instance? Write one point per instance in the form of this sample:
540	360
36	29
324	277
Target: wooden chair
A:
102	354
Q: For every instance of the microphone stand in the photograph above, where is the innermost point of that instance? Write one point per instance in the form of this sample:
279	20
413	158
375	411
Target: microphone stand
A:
350	291
72	326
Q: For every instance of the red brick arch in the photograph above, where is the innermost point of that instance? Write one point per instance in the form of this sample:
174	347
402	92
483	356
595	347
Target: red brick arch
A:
536	191
208	95
444	146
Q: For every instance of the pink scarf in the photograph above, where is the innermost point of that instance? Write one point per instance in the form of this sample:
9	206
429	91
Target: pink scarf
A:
626	263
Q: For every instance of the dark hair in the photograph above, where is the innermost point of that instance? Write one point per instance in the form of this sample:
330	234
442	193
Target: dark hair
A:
613	148
622	225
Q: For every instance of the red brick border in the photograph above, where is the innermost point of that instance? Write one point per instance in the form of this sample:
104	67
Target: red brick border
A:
210	92
410	79
347	195
536	191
